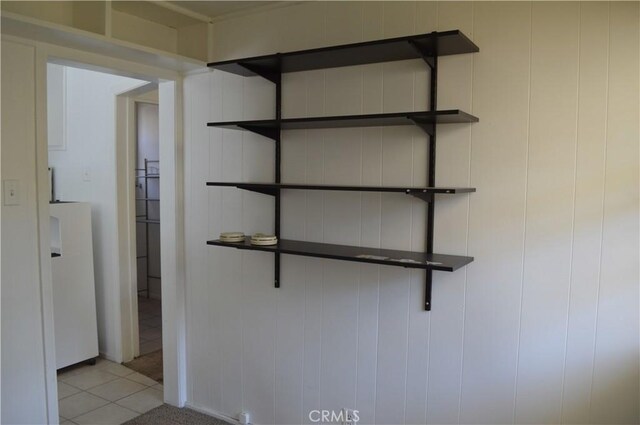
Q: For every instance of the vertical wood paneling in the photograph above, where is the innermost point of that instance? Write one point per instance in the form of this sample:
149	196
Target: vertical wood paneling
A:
367	343
372	21
371	175
343	91
344	22
259	333
191	256
229	291
339	335
290	343
397	154
344	335
301	27
615	376
257	99
196	197
392	345
426	16
399	18
316	93
214	390
549	217
294	99
585	270
496	216
372	90
398	92
314	213
228	270
313	337
418	360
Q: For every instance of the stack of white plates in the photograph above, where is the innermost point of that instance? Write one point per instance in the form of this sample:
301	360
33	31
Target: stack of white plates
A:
232	237
261	239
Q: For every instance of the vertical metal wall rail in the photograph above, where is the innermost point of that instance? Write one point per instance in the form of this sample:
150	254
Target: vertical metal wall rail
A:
278	82
432	61
273	74
430	56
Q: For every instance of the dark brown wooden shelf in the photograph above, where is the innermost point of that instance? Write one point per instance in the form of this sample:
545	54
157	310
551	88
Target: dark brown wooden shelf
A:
388	257
424	193
423	119
393	49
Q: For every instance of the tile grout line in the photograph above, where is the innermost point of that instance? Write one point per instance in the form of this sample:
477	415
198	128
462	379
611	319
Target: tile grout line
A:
109	402
105	405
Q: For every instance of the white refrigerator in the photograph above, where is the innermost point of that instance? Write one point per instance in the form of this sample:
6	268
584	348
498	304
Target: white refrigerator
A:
74	296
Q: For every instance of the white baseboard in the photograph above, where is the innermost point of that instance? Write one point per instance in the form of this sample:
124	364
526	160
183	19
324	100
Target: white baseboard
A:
213	413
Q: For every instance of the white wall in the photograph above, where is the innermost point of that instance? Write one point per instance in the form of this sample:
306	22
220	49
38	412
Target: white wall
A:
85	171
23	363
541	328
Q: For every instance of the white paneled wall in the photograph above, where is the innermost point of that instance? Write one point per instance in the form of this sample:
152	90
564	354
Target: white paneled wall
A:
23	385
541	328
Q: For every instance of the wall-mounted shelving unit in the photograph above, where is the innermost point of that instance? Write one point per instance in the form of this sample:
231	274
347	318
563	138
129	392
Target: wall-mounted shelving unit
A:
425	46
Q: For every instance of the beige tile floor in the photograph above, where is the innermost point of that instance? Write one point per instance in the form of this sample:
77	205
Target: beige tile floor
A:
105	394
149	325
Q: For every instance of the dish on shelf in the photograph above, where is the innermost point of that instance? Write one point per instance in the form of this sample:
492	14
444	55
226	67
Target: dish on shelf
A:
232	237
262	239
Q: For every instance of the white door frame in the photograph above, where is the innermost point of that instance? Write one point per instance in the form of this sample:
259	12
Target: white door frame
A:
127	252
172	242
172	210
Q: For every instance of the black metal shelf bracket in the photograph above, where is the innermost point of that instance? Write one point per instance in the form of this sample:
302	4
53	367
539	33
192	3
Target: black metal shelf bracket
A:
264	191
427	127
270	74
428	56
271	133
425	196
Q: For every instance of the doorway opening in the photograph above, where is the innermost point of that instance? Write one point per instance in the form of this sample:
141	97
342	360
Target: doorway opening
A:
85	156
117	311
148	254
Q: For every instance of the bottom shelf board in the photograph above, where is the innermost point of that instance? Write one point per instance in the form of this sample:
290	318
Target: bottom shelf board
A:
389	257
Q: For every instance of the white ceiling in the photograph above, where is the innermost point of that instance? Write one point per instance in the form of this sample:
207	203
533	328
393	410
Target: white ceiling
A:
217	9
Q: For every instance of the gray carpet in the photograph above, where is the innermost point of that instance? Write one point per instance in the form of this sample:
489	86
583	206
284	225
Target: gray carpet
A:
169	415
149	365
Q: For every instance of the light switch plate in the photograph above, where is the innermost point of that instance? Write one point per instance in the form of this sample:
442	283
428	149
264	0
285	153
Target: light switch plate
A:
11	192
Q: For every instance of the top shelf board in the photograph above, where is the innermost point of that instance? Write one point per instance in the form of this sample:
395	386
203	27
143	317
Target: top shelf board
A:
392	49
